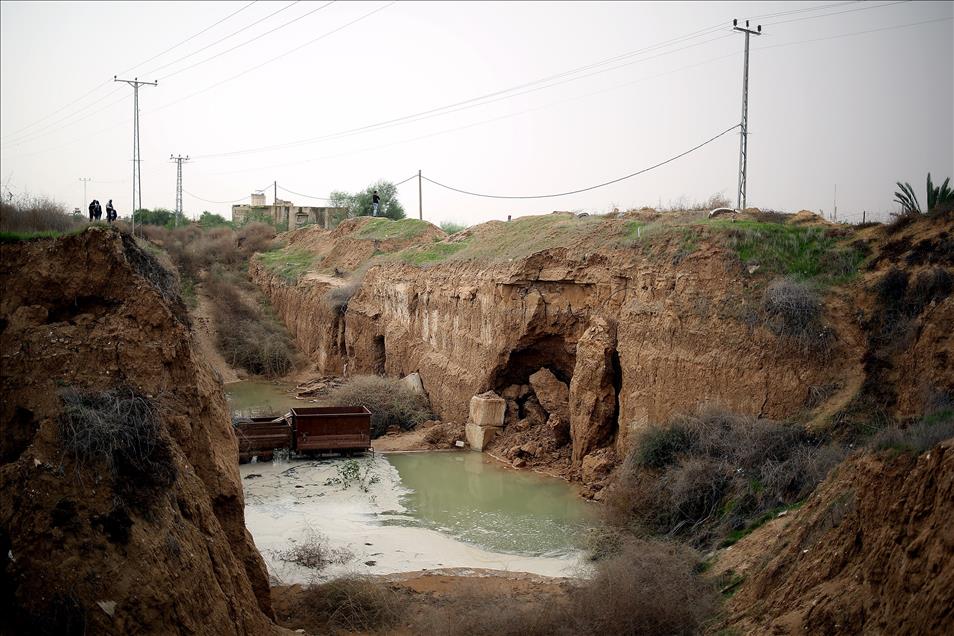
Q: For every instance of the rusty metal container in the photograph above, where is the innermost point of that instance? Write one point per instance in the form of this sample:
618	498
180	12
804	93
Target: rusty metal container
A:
331	428
261	436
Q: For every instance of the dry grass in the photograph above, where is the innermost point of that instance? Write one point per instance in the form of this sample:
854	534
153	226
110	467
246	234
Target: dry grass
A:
707	478
648	587
247	337
338	297
792	309
390	401
313	552
353	604
120	429
27	214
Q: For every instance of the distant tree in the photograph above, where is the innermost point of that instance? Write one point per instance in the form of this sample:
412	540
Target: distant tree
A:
938	197
158	216
208	219
360	204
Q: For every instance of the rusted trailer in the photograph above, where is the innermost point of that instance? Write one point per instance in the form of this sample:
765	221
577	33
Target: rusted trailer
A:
342	429
261	436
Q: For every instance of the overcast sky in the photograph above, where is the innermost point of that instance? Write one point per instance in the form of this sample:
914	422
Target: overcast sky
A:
853	94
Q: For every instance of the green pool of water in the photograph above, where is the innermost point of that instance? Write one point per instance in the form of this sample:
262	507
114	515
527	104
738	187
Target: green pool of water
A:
476	500
254	397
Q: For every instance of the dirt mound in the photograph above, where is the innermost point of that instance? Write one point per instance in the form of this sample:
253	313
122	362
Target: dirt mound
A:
357	240
870	552
139	529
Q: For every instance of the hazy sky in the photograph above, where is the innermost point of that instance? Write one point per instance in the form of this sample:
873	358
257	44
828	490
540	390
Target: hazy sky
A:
858	94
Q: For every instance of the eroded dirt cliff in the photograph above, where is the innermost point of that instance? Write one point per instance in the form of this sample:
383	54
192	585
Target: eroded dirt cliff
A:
869	553
86	549
639	326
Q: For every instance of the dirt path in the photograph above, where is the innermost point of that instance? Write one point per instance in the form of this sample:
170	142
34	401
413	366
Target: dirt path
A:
205	335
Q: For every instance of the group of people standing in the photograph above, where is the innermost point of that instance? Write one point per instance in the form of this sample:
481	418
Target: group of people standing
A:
96	211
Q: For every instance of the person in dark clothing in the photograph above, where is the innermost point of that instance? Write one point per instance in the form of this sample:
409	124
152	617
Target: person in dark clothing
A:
98	210
110	212
375	203
92	210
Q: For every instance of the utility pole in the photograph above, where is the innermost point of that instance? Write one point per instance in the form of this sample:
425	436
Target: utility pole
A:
835	202
178	160
420	202
137	159
85	180
743	148
275	195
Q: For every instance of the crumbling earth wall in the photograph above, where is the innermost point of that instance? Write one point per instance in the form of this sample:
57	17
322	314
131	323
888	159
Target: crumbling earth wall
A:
82	550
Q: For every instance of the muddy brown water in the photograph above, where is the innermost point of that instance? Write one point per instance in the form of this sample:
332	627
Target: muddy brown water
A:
257	397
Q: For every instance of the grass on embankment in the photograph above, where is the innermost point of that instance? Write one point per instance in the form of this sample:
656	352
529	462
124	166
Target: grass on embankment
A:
384	229
289	263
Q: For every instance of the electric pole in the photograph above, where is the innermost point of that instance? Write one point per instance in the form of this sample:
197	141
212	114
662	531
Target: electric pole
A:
743	148
178	160
85	180
420	202
137	159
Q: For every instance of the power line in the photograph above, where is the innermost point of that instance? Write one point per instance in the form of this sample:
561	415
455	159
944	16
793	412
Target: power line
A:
194	196
473	102
803	10
587	189
307	196
107	82
230	35
826	15
277	57
854	33
189	39
485	99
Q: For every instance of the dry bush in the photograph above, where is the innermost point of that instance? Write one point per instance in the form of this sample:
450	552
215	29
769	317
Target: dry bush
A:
648	587
313	552
338	297
255	237
793	310
120	429
37	214
390	401
355	604
707	477
247	337
921	436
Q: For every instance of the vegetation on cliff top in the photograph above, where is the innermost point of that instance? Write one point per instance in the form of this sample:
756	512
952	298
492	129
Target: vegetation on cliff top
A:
288	262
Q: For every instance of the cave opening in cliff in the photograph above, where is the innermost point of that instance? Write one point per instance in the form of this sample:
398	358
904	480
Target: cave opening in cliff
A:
551	352
379	359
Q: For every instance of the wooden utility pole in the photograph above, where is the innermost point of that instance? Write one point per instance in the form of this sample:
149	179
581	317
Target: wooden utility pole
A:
420	202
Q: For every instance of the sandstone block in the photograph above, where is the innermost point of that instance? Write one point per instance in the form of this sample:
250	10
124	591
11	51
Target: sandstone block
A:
513	413
534	413
552	394
559	430
487	409
479	437
414	382
597	465
515	392
592	399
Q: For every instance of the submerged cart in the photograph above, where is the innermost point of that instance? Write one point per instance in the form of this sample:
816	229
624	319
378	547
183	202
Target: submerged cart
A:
338	429
309	430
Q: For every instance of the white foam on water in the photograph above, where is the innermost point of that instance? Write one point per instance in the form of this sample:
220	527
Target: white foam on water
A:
287	503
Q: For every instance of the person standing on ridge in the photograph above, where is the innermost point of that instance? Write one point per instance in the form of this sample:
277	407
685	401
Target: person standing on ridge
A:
375	203
99	210
110	212
92	210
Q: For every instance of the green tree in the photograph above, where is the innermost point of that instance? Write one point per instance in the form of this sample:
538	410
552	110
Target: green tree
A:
158	216
360	204
208	219
938	197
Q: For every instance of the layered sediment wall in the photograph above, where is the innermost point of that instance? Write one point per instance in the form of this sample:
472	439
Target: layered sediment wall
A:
657	327
92	540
